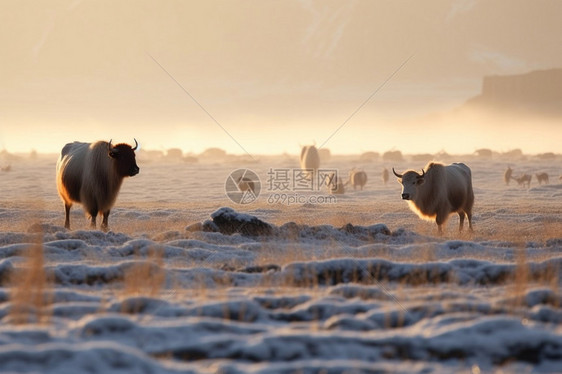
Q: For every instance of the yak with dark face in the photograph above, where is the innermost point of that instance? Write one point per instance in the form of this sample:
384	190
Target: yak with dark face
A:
439	191
91	174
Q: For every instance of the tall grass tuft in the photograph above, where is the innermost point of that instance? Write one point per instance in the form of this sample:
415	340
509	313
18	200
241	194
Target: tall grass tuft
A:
31	288
146	278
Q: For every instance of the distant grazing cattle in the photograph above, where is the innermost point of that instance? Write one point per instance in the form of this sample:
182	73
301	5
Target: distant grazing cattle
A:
310	159
6	168
523	180
439	191
91	174
385	175
542	177
357	178
507	175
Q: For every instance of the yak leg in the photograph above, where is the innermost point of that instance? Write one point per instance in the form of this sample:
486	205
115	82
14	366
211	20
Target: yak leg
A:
104	224
93	215
440	220
469	215
67	215
93	221
461	220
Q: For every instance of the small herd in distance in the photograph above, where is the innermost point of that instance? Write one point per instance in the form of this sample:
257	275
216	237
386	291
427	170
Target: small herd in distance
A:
525	179
91	174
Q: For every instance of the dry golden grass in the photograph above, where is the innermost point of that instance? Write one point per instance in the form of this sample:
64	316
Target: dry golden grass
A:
31	288
145	278
141	279
488	224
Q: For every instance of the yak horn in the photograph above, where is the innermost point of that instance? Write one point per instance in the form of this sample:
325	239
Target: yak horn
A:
110	147
423	174
395	173
136	145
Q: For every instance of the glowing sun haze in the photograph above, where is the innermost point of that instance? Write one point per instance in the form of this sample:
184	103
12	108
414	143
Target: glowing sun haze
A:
273	74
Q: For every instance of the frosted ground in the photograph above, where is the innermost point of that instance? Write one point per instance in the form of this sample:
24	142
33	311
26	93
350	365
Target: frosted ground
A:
359	286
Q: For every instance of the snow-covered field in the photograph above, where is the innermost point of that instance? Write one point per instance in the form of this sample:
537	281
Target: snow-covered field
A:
359	285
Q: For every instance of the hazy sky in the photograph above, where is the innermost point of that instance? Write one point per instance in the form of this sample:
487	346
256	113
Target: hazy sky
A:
274	74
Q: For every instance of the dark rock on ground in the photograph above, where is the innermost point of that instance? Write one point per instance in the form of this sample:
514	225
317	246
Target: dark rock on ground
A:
228	221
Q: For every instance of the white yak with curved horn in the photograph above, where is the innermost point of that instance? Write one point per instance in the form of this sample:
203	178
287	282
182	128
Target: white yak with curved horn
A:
439	191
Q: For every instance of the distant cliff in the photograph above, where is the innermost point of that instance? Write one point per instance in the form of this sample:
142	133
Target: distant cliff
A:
537	91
